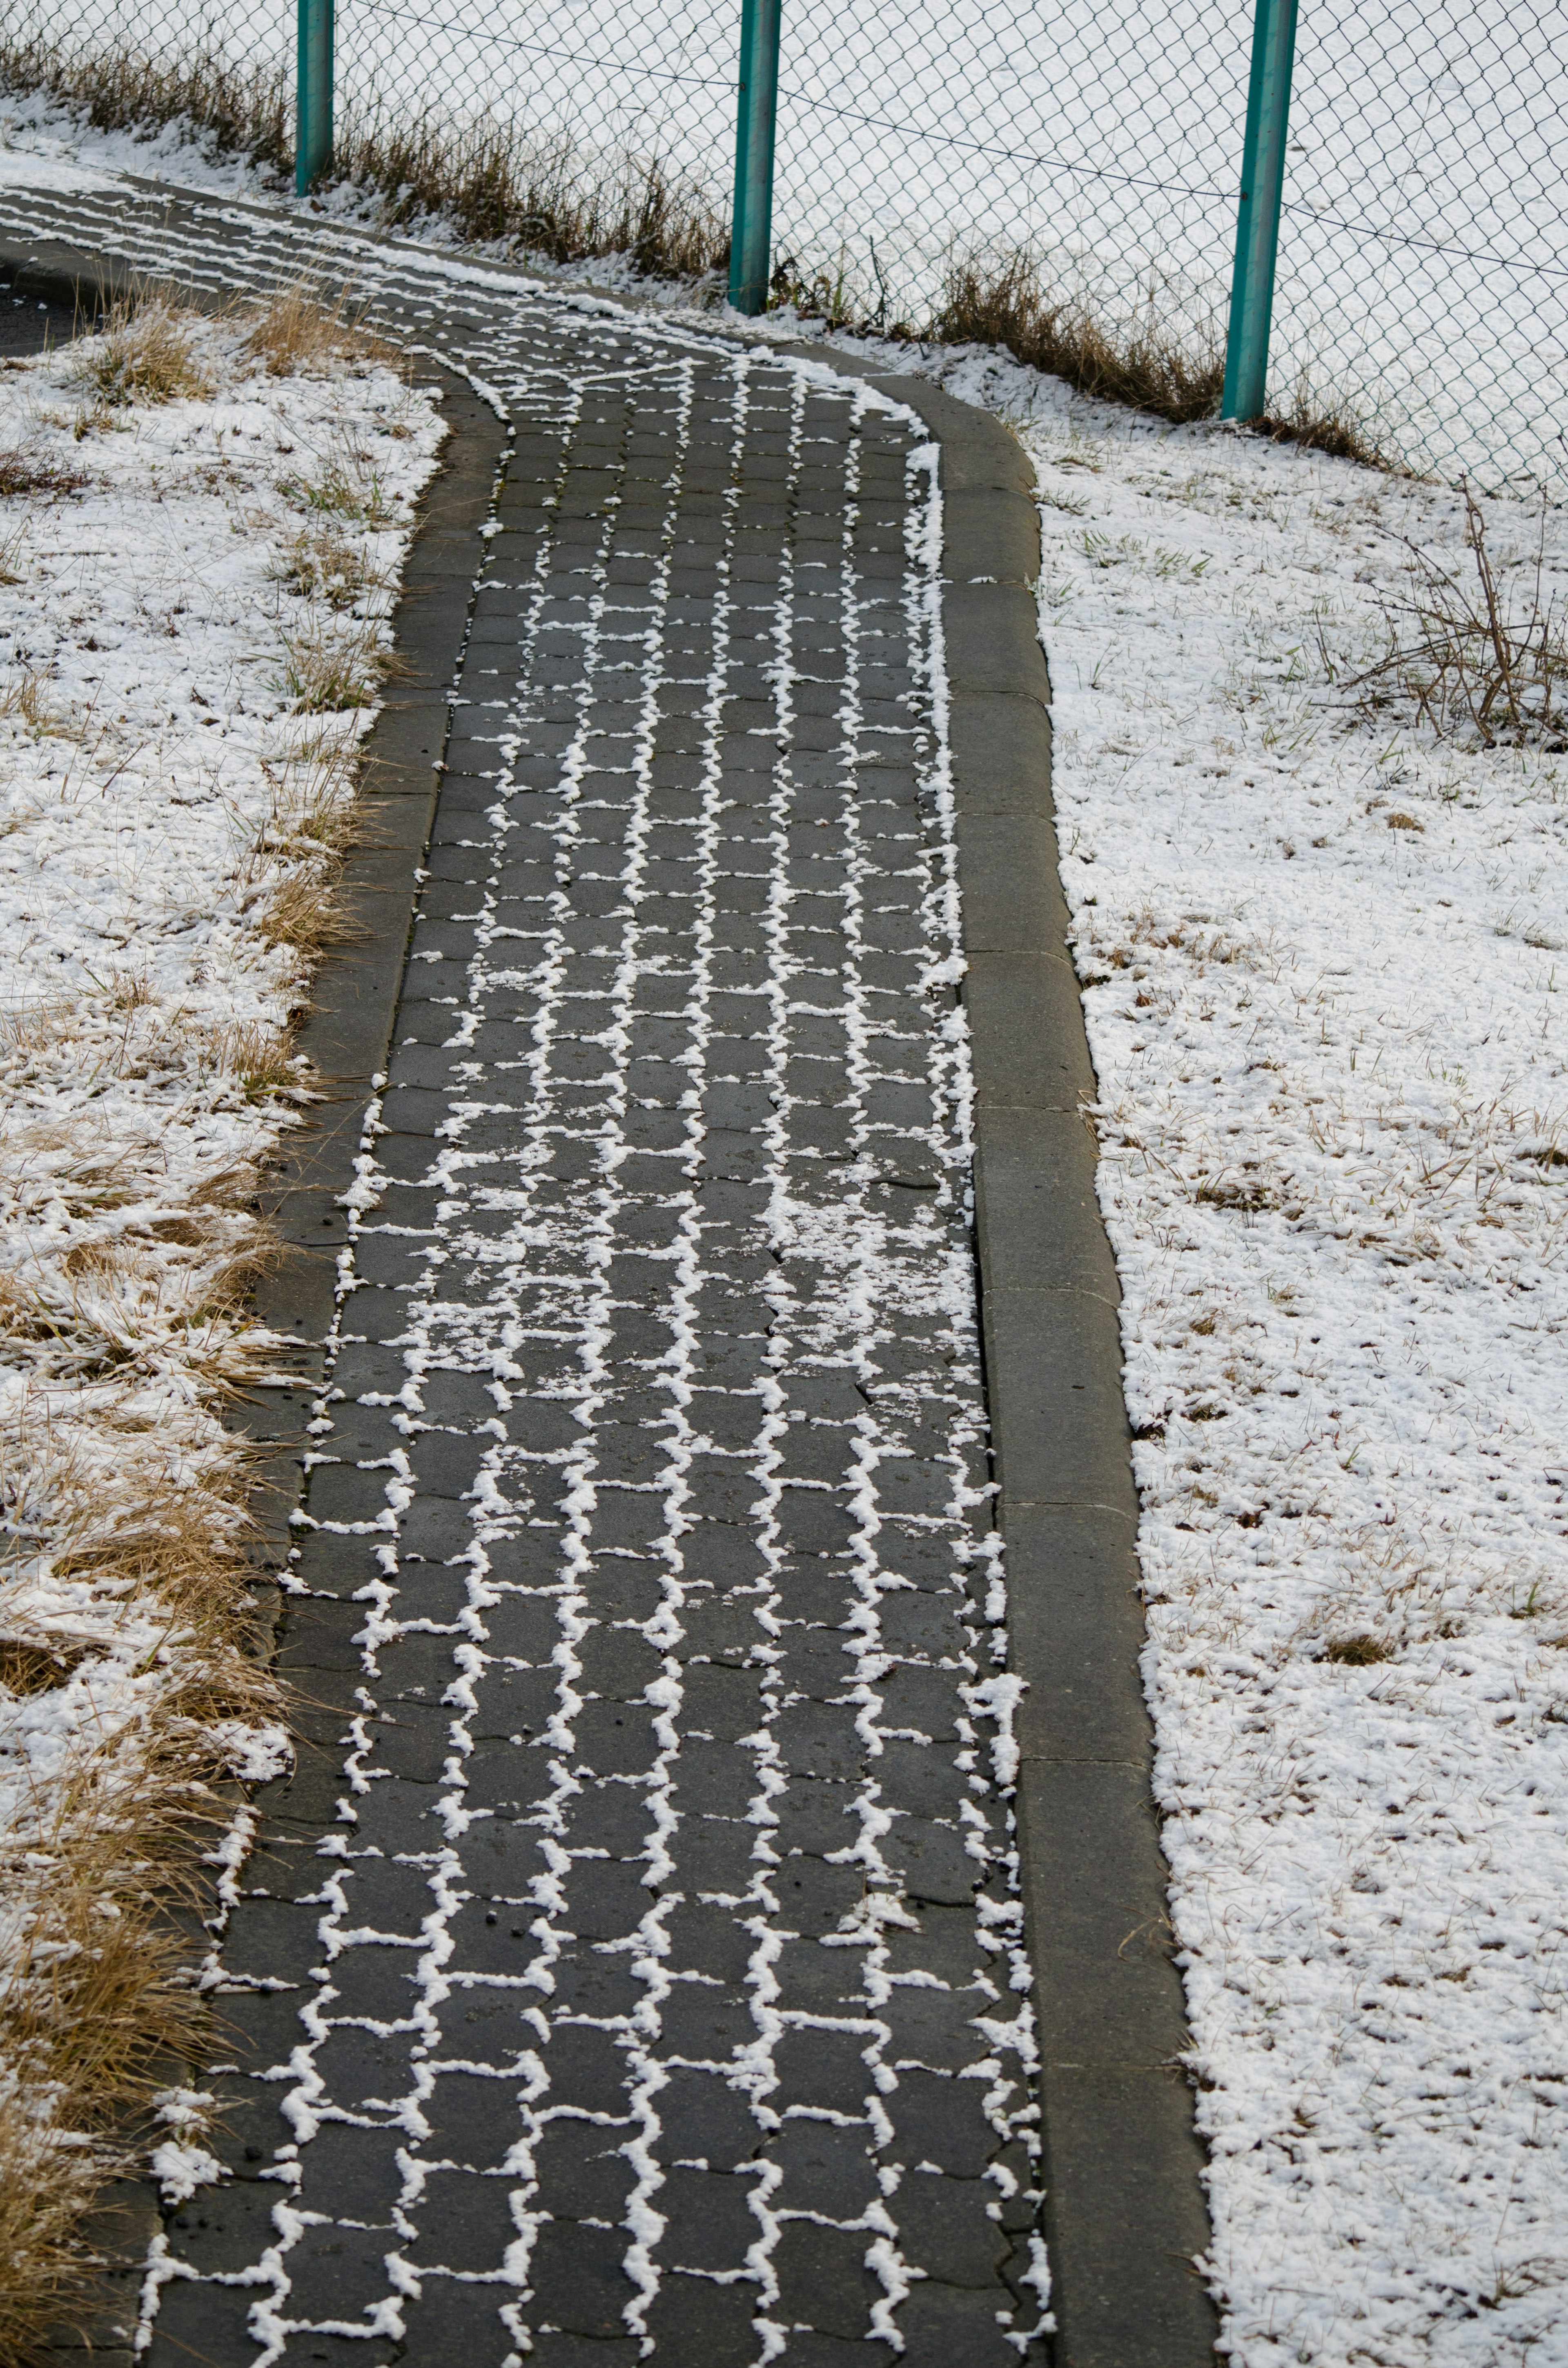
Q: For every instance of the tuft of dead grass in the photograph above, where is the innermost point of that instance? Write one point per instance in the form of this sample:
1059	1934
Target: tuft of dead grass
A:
305	913
1359	1652
298	333
330	672
21	472
32	1669
245	109
1470	656
492	179
1009	300
1161	356
133	1307
98	2001
23	698
141	353
324	817
1338	431
345	487
261	1058
323	563
542	194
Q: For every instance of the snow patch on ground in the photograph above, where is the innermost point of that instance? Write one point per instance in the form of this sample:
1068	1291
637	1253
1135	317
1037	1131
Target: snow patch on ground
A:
45	143
167	820
1323	963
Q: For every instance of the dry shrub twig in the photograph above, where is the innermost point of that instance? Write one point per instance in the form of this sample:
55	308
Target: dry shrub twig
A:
1469	660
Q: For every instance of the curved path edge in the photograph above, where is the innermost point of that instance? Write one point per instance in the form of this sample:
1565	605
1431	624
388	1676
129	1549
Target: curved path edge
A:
1124	2209
1124	2212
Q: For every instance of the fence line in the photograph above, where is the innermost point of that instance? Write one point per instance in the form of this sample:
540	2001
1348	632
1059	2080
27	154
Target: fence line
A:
1404	184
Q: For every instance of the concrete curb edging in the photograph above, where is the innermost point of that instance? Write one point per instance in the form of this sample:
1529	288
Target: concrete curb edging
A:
346	1033
1124	2209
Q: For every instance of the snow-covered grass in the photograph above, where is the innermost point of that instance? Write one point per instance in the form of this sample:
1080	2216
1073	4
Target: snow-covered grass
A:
1324	957
201	521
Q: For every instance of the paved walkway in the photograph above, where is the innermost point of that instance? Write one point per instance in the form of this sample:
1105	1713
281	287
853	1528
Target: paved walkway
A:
633	1965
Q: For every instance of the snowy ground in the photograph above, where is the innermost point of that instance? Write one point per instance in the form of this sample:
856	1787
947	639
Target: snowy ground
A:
1323	966
178	582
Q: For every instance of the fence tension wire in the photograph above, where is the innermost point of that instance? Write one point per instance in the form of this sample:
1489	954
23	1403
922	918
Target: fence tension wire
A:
312	147
1257	213
751	222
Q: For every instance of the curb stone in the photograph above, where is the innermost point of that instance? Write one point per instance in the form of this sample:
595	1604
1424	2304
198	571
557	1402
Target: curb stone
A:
1124	2211
347	1034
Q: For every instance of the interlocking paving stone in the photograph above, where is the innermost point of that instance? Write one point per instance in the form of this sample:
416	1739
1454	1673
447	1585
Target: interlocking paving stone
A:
644	1897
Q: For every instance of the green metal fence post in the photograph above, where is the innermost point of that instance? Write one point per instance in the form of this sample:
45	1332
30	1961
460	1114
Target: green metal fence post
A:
751	222
1257	214
313	150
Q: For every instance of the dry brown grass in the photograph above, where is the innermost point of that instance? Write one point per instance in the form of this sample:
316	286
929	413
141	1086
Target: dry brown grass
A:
491	179
1146	358
300	333
174	1545
1359	1652
262	1058
348	486
325	817
305	913
141	352
92	2015
29	1669
1338	431
1010	303
135	1298
23	698
246	109
333	672
21	472
322	563
98	1885
98	2003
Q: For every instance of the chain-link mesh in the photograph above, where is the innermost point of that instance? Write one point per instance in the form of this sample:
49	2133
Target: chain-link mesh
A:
1423	279
1421	290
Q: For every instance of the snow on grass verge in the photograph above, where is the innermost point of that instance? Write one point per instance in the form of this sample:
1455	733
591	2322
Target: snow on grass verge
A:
201	528
1324	957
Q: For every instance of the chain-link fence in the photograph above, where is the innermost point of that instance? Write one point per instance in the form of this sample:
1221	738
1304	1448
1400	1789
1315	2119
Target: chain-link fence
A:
1422	287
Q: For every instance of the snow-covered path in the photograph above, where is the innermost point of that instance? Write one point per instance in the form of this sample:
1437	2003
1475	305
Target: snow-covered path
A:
634	1957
